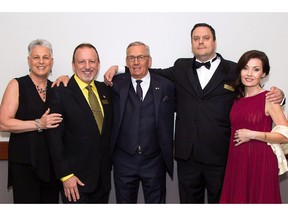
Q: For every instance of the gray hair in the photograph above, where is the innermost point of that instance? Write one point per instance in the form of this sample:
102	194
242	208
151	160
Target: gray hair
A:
40	42
138	43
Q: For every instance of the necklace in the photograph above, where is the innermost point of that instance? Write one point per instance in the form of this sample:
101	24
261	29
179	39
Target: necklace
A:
42	91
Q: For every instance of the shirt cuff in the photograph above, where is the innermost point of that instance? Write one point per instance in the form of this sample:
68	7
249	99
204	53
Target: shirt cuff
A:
121	70
66	177
283	101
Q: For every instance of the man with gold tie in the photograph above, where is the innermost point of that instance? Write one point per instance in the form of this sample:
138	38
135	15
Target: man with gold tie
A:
80	146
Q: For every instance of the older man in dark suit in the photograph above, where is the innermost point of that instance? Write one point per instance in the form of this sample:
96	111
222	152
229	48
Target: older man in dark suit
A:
142	133
80	146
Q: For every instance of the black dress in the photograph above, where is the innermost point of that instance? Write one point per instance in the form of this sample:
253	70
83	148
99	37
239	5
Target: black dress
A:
29	152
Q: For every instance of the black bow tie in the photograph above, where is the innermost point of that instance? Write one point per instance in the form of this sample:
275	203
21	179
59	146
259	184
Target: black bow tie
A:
200	64
206	64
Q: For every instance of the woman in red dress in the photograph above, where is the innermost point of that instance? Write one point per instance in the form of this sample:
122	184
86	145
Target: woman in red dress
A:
252	168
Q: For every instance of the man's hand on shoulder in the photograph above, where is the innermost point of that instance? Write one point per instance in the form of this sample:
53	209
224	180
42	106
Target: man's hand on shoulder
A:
110	73
275	95
62	79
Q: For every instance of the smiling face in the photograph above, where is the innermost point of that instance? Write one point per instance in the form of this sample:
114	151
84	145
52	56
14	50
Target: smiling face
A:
86	64
40	61
138	61
252	73
203	43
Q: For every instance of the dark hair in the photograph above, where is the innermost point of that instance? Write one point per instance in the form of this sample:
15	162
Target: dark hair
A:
204	25
82	45
252	54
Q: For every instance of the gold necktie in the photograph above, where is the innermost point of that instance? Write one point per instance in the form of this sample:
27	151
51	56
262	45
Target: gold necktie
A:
95	107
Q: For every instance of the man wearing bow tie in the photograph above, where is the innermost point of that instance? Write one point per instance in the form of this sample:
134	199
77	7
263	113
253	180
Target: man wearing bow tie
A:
204	96
142	132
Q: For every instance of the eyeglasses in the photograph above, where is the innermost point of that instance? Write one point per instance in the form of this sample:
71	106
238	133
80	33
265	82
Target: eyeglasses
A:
139	58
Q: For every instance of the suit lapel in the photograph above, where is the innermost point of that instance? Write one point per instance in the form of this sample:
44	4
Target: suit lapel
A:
156	88
217	77
192	77
123	94
104	100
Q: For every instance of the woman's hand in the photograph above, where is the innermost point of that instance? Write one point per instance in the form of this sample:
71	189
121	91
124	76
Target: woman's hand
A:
52	120
242	136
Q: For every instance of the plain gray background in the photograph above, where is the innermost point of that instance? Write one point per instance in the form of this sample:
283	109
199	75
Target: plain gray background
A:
167	34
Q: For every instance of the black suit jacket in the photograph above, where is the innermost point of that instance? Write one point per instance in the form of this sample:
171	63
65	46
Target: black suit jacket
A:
202	116
76	145
163	96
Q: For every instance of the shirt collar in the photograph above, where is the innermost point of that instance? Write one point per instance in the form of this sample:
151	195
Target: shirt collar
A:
211	60
82	84
145	79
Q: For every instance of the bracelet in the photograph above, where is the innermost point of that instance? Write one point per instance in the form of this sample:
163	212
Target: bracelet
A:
265	136
37	122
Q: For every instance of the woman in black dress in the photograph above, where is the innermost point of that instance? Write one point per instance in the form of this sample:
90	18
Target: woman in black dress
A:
23	113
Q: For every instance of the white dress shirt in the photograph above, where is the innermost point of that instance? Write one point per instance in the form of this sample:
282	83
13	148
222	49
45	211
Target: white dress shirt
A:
204	74
144	84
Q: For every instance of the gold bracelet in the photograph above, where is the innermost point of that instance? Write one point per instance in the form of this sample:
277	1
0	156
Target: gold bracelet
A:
37	122
265	137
